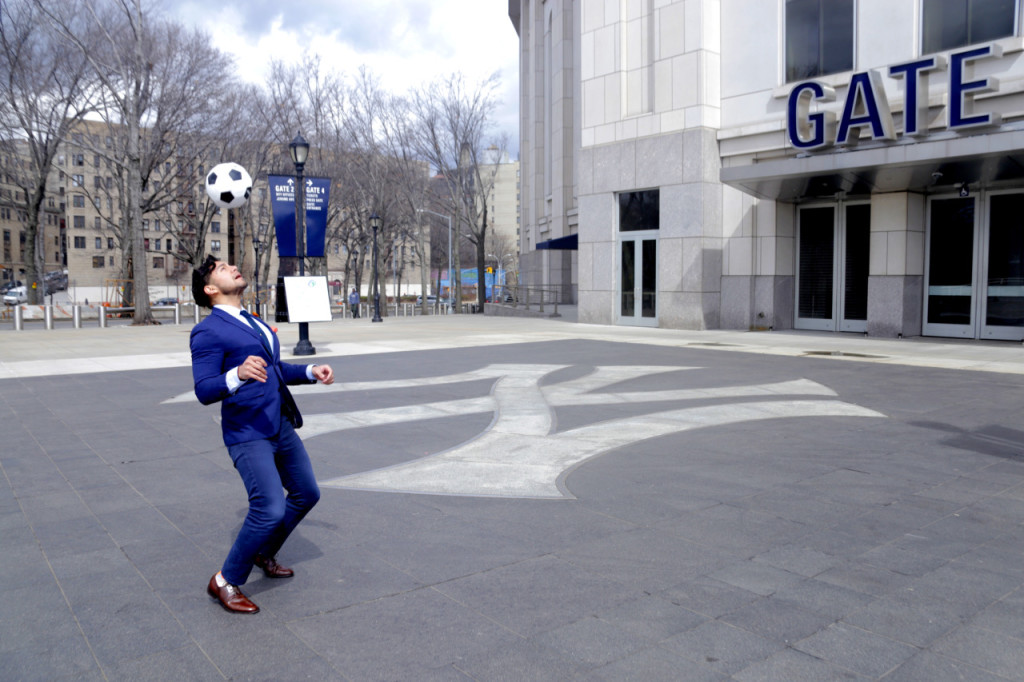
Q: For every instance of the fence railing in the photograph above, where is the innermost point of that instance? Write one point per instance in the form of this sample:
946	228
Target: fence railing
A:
530	297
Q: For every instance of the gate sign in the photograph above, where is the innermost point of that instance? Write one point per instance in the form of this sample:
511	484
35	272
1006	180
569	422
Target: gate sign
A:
866	108
282	202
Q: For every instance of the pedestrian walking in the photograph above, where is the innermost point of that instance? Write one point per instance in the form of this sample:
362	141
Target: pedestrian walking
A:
353	302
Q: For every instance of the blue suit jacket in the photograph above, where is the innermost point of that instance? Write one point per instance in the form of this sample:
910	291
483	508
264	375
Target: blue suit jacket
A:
220	343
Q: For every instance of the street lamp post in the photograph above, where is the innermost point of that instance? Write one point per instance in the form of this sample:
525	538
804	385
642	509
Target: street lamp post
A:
451	298
375	224
299	150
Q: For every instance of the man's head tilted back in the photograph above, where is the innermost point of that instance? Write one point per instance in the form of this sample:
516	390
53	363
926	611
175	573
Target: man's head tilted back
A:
200	278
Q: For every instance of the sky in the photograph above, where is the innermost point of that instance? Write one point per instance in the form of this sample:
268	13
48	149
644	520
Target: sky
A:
404	42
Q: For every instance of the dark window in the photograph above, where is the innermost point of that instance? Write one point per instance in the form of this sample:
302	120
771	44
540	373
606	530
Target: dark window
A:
158	262
99	242
79	242
819	38
948	24
79	220
97	261
638	211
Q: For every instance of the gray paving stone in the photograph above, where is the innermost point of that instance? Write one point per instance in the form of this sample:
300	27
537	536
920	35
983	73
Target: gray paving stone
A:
527	659
985	649
651	617
823	599
756	577
930	667
591	642
909	617
794	666
422	630
779	621
863	652
709	597
721	647
653	664
799	560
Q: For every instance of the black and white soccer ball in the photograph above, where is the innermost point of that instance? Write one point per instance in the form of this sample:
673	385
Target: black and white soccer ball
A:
228	185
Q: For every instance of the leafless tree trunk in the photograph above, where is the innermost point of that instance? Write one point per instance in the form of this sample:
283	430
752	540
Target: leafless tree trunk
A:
161	91
47	90
452	119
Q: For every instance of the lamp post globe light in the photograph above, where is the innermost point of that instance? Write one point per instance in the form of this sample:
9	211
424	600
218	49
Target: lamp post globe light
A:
375	224
299	150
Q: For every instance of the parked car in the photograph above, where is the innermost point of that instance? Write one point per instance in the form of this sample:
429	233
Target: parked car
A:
432	300
16	295
8	285
167	300
56	280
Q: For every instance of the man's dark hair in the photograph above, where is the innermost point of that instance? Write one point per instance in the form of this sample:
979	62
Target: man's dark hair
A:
200	278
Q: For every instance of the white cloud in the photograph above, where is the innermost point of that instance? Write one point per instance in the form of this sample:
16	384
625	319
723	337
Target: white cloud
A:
404	42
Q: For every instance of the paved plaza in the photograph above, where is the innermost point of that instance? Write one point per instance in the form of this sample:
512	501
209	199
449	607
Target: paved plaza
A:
526	499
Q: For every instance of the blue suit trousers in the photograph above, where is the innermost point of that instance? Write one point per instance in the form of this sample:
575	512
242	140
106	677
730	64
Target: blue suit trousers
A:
268	467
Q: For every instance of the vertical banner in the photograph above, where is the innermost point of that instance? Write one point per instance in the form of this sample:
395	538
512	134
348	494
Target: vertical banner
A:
282	203
317	193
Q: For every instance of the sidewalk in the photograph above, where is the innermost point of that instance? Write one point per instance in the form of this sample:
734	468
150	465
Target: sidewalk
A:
526	499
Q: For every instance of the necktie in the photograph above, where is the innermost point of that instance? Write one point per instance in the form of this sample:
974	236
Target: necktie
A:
259	332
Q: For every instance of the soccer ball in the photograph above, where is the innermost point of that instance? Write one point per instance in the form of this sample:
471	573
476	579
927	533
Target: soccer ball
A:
228	185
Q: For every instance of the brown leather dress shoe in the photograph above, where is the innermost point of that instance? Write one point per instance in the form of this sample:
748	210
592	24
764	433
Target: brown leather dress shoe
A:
231	597
272	569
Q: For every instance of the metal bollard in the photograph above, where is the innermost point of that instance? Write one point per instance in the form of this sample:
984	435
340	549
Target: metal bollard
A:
76	316
19	320
177	313
48	316
195	313
102	316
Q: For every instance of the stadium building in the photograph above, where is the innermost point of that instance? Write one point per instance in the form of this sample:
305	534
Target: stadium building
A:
843	165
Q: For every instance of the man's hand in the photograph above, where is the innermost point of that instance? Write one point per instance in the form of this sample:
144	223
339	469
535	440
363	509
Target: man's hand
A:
254	367
324	374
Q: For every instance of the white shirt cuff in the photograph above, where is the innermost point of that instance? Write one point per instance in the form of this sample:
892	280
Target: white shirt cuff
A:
232	380
309	372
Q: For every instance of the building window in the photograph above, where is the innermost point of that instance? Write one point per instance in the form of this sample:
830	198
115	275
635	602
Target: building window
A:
215	245
79	242
79	221
78	160
948	24
819	38
168	245
97	261
145	244
97	182
99	242
145	225
78	201
158	262
110	242
215	227
77	180
156	245
96	222
639	211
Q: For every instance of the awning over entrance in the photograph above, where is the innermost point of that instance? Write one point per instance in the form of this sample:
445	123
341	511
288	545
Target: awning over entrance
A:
570	243
937	164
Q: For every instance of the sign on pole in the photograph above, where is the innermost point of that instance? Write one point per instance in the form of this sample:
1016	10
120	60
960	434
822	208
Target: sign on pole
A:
282	203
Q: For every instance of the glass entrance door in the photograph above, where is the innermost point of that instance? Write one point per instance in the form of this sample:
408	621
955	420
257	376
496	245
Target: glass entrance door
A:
1004	267
950	273
638	274
833	248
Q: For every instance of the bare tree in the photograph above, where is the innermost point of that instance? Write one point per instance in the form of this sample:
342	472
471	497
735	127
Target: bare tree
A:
160	86
452	119
47	90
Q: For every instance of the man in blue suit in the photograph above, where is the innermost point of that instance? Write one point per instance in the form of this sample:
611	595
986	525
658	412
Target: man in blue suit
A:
236	360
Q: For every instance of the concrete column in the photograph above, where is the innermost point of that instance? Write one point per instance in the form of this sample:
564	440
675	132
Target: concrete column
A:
896	274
